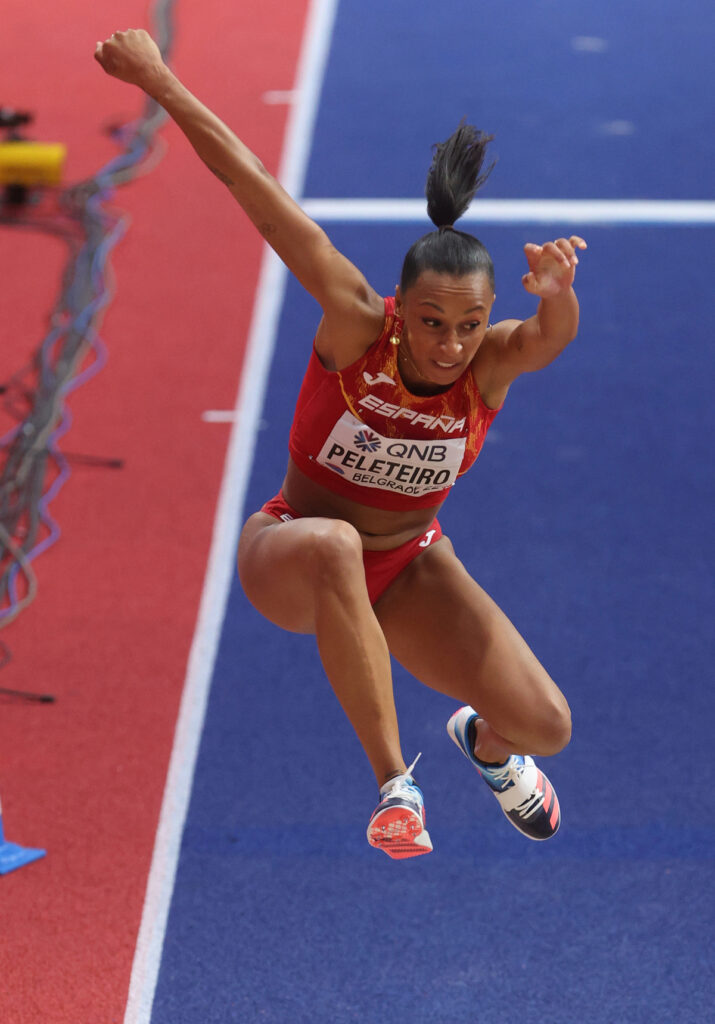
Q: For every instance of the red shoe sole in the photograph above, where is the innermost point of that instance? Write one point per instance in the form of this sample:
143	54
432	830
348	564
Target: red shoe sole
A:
399	834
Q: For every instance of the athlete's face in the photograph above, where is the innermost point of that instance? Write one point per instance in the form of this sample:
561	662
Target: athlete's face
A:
446	319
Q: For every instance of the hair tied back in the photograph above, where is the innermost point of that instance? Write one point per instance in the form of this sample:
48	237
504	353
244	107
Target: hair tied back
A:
456	174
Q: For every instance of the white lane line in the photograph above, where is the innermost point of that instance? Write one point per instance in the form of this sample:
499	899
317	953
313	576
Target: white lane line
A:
220	569
521	211
275	97
219	416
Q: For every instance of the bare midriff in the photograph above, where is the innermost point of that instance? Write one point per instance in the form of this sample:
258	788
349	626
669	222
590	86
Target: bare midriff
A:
379	528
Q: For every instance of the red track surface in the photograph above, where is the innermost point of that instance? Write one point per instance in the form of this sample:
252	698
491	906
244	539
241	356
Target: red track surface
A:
110	630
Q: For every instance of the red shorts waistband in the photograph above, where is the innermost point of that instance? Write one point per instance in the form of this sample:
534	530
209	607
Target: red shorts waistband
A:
381	567
279	508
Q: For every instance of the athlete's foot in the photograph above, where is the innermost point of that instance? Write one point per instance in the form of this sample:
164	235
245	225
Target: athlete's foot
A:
397	825
525	795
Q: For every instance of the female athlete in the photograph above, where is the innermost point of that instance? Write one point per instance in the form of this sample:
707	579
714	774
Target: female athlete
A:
397	399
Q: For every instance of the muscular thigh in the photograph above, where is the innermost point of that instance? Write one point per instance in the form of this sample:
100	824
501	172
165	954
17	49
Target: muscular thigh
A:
447	632
278	563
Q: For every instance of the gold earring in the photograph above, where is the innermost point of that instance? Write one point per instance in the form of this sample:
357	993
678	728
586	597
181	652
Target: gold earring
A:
396	333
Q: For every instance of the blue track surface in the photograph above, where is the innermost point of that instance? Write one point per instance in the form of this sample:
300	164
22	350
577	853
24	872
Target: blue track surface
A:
588	517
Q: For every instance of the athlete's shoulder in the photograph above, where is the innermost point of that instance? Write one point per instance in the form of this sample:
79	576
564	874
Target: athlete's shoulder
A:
343	338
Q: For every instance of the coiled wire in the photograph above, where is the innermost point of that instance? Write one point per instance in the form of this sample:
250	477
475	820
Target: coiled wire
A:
33	467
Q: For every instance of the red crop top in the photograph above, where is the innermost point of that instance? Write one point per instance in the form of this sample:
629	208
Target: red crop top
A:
361	433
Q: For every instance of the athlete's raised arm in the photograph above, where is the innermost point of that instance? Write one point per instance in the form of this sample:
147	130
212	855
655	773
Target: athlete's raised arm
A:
515	347
337	285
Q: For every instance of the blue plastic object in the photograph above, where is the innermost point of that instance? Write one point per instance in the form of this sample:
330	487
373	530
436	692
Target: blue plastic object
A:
13	856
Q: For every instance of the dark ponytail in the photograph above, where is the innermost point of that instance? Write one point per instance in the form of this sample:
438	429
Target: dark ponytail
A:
452	182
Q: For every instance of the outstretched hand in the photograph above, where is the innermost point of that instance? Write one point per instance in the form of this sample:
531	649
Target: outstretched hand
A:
552	266
130	56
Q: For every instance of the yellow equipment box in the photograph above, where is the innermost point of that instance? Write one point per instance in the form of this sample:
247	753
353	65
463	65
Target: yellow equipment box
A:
31	163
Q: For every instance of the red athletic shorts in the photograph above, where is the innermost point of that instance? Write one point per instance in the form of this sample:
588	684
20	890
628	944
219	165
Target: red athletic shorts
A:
381	567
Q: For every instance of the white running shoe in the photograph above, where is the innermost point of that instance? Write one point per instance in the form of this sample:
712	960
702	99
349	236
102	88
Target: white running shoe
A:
397	825
526	796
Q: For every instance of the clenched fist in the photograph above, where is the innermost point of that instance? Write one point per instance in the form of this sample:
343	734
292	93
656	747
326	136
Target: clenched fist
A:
132	57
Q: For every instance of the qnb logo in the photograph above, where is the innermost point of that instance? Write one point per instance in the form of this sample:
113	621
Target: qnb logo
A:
366	441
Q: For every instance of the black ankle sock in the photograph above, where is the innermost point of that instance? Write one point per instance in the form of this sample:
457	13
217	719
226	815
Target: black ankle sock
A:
472	734
472	737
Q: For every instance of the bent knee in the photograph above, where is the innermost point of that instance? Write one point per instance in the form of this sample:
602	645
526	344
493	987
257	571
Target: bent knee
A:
285	568
554	727
332	551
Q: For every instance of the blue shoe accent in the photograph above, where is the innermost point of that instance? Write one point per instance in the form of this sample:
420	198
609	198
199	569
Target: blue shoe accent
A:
460	729
525	795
